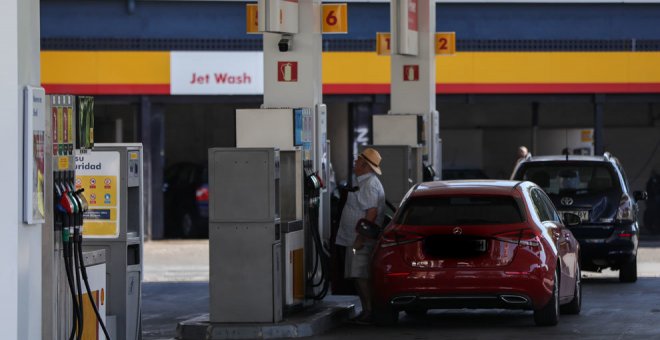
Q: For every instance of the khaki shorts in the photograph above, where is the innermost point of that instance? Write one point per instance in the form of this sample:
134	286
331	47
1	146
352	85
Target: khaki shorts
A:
358	262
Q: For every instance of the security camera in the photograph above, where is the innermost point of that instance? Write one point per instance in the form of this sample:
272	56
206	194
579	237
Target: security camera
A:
285	43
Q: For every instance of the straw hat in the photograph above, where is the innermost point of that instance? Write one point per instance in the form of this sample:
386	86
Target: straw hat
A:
373	159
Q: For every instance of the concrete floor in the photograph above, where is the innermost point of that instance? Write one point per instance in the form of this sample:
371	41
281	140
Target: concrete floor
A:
176	289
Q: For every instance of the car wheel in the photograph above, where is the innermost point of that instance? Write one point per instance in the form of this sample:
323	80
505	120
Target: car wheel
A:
386	316
628	272
548	315
416	312
575	306
187	225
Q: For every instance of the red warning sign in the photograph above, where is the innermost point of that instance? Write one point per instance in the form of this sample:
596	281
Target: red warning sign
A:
410	72
287	71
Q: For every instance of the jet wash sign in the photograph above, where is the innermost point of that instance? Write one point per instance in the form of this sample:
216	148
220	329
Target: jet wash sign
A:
216	73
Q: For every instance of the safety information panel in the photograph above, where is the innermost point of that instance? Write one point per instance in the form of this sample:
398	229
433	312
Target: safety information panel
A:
98	173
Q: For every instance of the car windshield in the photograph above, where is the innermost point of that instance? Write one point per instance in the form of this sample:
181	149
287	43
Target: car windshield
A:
460	210
575	178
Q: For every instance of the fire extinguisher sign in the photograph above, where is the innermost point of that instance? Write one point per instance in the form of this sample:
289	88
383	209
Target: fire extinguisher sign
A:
287	71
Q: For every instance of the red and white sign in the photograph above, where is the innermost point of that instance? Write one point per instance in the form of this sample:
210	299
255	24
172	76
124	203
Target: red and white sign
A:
407	12
287	71
215	73
412	15
410	72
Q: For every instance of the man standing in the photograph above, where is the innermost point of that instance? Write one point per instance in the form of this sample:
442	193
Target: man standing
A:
368	202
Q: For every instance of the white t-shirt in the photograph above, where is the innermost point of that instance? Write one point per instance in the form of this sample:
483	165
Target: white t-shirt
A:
370	195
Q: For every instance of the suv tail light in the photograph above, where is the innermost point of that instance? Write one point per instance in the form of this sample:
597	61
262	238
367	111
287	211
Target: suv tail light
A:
392	238
625	212
523	237
202	194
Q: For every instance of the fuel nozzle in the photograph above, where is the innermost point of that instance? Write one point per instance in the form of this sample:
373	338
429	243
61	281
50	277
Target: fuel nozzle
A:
84	205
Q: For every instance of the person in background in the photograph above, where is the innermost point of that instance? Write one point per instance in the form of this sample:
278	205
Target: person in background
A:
368	202
522	152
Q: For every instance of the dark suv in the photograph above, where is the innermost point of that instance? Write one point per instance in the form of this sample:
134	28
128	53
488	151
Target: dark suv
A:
596	189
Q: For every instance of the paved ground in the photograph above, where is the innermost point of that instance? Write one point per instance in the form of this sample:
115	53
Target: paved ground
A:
176	289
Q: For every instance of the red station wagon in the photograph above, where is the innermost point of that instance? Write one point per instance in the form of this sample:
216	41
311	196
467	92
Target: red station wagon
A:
477	244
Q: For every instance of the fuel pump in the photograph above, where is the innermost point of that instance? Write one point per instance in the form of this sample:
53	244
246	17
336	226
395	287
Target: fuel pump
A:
298	130
66	261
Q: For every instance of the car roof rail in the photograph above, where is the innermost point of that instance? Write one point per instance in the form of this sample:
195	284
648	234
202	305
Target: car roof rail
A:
607	155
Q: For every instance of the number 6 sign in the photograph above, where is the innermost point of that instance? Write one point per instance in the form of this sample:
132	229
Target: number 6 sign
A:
335	18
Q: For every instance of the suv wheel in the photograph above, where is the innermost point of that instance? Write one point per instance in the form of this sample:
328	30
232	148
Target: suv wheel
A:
548	315
187	225
628	272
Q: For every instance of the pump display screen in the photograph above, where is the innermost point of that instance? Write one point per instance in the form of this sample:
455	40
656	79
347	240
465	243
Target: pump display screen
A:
297	127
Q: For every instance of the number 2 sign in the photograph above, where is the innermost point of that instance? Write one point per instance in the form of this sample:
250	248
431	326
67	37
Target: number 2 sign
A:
335	18
445	43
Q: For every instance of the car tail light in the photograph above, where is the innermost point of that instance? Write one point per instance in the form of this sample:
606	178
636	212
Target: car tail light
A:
625	234
524	237
625	212
202	194
396	237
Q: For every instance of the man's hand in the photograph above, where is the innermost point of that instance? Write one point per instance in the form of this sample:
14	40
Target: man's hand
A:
359	242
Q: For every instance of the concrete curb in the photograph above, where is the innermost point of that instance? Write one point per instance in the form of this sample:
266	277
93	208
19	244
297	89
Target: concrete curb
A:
313	321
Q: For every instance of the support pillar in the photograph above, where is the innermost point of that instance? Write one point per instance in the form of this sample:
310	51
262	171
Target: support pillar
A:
599	102
413	83
153	140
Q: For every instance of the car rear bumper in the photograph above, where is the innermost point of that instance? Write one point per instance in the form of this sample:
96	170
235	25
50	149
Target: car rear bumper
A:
611	252
458	288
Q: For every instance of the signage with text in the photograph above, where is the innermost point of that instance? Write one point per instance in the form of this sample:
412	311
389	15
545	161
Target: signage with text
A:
383	43
216	73
407	27
445	43
251	18
335	18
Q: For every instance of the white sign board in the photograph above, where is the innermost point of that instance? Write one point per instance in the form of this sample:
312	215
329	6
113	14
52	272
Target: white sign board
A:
215	73
281	16
33	155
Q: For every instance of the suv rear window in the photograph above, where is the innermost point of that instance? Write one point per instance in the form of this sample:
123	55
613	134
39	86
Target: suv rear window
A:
574	178
460	210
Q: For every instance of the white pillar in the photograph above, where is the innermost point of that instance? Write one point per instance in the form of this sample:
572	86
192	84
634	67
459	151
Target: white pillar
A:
10	173
416	96
20	282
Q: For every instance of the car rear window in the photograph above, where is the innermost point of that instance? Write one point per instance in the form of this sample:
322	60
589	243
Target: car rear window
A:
574	178
460	210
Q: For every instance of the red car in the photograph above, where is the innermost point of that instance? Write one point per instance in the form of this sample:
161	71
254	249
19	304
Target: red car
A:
477	244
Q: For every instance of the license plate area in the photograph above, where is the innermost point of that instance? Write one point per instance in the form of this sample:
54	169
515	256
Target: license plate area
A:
451	246
584	214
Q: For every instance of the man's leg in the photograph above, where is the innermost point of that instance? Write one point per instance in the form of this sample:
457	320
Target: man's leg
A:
364	290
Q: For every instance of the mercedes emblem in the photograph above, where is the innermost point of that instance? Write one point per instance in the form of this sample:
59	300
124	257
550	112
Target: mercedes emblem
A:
566	201
457	231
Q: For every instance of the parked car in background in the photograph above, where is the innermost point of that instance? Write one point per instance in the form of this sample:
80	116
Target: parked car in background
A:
186	200
477	244
596	189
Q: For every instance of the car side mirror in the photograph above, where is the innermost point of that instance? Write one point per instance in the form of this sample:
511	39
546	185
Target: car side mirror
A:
571	220
640	195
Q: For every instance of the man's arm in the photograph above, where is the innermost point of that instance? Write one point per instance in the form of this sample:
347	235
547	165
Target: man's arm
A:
371	216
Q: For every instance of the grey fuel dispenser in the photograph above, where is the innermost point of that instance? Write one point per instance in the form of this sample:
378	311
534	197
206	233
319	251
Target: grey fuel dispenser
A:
245	236
112	178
